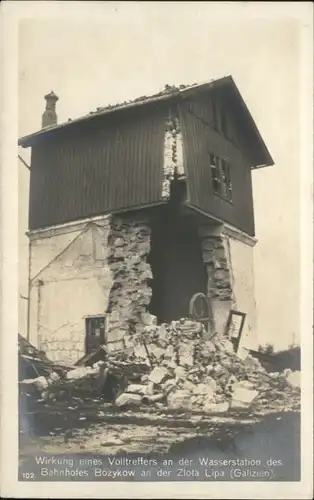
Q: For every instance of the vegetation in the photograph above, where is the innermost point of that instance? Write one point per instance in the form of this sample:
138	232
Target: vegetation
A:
287	358
266	349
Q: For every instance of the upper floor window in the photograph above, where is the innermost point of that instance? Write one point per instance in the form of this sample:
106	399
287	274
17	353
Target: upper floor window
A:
226	180
216	180
221	178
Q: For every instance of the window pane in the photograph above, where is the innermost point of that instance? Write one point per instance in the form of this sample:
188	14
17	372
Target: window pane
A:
95	326
215	174
226	181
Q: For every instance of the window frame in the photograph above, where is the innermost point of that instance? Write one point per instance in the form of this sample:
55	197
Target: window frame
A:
89	320
222	177
226	180
214	166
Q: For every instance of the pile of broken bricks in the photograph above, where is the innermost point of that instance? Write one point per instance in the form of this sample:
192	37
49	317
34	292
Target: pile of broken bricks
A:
189	372
168	367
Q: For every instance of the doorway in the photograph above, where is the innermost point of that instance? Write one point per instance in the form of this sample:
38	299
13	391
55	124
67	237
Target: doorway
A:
177	266
94	333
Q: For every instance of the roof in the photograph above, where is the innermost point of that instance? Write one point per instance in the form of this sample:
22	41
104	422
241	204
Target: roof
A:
263	157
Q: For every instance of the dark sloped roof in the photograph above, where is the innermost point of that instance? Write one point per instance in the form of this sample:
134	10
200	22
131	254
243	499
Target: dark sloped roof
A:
261	157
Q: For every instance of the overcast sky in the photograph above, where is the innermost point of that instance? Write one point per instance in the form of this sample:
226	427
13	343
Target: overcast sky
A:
129	53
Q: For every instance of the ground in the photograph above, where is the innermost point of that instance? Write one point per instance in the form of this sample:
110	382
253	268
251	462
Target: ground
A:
275	436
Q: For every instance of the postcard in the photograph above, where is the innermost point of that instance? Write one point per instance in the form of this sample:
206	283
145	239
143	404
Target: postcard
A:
157	252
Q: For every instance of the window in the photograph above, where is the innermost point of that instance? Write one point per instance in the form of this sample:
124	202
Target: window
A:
215	174
226	180
94	332
221	178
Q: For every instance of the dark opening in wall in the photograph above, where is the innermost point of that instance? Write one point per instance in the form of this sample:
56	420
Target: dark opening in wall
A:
178	192
94	332
177	265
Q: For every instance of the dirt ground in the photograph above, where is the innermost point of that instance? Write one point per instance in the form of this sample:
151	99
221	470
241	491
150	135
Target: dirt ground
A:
275	436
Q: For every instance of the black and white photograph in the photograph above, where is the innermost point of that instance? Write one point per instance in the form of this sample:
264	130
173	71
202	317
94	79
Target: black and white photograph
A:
159	165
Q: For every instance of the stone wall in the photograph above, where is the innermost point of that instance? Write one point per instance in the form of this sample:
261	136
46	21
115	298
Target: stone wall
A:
100	267
219	286
228	256
129	246
216	261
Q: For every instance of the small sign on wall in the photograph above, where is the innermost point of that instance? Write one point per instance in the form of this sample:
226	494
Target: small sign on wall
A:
234	327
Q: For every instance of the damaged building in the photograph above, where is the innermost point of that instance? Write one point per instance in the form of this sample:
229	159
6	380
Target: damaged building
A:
134	209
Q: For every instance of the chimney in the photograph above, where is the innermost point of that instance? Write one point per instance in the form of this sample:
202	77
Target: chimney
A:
49	117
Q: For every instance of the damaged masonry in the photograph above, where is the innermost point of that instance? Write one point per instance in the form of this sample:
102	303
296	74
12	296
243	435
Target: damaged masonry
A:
154	215
168	369
170	366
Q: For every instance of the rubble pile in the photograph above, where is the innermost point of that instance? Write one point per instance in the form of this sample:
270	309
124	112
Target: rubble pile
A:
192	373
33	363
98	377
169	366
102	381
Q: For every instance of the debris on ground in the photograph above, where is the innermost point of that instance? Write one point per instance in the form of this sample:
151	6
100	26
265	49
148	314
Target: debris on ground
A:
33	362
293	378
194	373
169	366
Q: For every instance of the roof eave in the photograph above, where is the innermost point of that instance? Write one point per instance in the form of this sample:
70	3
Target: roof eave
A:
267	158
27	140
264	155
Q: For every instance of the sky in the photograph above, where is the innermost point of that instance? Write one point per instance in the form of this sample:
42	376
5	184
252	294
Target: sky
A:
128	53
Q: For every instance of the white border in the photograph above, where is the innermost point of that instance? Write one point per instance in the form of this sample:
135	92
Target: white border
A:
12	12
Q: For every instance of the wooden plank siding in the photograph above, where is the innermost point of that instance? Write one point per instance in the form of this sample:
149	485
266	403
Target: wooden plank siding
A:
110	165
116	162
203	120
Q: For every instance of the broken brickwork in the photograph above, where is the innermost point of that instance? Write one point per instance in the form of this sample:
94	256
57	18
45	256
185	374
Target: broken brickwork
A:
173	153
188	371
220	287
168	367
216	260
129	246
130	296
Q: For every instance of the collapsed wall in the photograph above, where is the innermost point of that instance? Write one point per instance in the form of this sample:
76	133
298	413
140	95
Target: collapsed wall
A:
103	266
129	245
168	367
192	373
